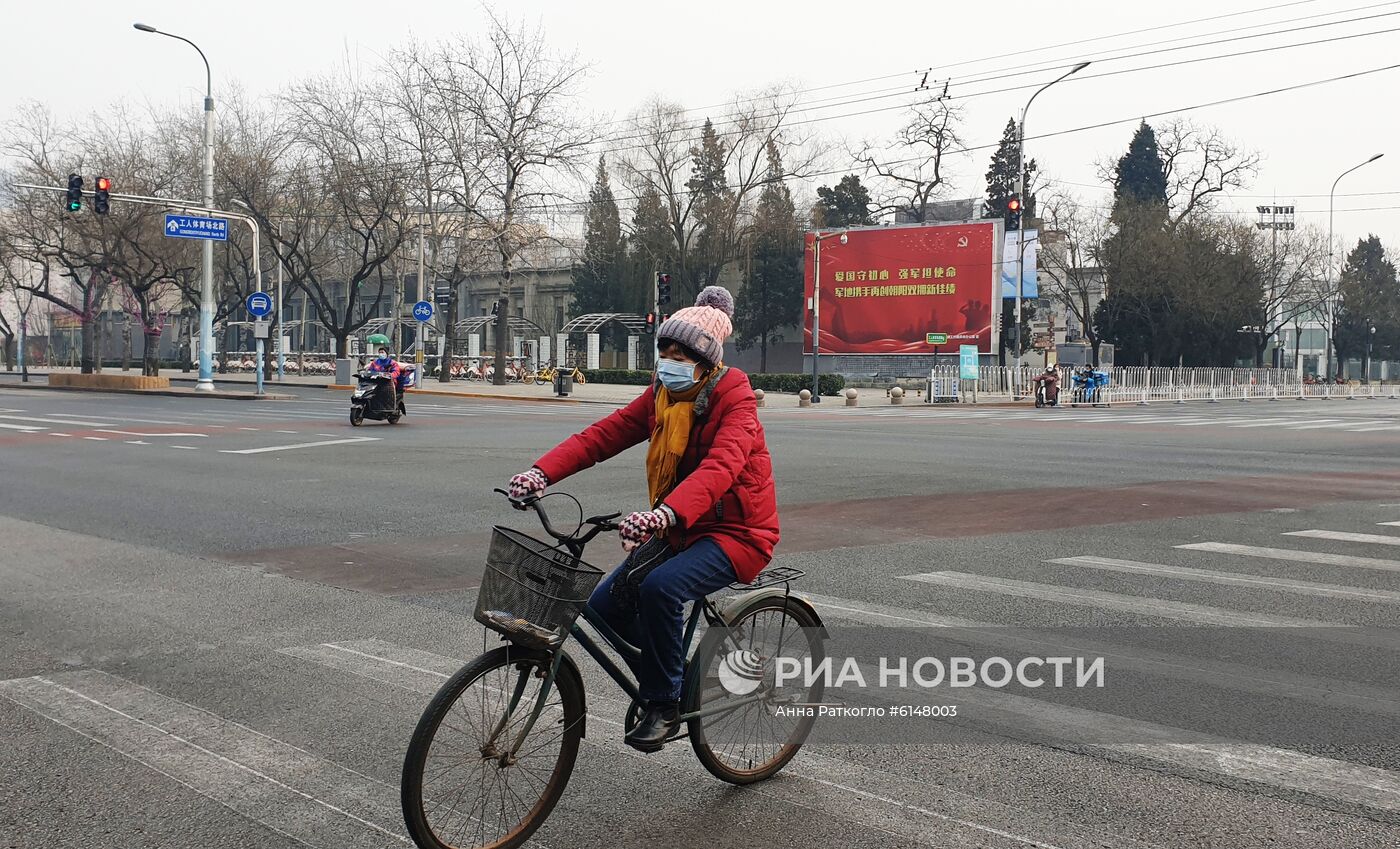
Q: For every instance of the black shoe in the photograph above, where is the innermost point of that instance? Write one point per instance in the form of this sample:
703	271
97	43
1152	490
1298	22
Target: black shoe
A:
658	722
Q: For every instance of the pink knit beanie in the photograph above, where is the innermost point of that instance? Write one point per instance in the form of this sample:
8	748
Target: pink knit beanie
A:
704	327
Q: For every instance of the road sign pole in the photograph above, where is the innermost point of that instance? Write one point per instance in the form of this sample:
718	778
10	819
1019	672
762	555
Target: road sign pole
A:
260	365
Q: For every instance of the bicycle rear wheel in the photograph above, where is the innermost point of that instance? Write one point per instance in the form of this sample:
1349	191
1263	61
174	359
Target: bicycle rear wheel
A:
752	741
456	792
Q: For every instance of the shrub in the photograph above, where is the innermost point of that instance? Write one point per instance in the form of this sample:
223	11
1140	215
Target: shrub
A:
622	376
829	384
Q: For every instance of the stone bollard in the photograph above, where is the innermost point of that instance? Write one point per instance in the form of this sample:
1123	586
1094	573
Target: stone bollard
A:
758	397
850	398
897	395
804	398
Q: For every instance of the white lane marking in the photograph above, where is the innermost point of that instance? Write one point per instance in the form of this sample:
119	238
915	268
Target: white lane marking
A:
1080	597
285	431
422	672
1389	524
285	788
96	438
186	447
1352	423
247	428
136	442
1370	429
1296	556
349	441
24	428
1280	422
135	433
103	420
1346	536
1210	576
55	421
60	434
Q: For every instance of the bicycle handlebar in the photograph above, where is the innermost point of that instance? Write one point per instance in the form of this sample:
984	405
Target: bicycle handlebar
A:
596	524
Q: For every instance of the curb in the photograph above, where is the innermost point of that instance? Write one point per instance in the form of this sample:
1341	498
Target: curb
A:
168	393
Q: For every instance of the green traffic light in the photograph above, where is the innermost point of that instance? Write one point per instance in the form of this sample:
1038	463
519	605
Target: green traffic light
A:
74	206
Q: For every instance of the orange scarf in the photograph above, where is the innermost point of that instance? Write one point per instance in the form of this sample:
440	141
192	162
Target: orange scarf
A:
675	416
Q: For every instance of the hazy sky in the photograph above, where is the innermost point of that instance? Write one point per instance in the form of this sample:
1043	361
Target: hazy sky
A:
699	54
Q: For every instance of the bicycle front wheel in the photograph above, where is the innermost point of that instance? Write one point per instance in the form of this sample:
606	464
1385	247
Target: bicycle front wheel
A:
746	736
461	785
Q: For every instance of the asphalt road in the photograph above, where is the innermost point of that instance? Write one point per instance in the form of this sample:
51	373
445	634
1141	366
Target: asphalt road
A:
222	619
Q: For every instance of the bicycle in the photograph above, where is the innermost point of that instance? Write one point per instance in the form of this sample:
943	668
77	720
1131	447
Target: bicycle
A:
532	594
546	375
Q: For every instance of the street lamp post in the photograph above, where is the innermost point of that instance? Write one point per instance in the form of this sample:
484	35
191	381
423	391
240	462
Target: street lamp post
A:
1330	307
1021	219
817	306
206	290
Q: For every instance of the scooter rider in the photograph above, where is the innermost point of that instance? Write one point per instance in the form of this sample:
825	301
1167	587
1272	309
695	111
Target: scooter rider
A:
385	364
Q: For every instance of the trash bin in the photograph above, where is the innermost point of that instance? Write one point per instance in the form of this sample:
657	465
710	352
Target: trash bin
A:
342	372
563	383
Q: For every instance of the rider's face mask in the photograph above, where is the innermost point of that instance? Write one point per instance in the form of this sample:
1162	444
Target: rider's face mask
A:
675	375
383	354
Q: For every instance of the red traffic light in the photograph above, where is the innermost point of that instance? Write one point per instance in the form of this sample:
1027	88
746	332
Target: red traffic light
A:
1013	205
104	184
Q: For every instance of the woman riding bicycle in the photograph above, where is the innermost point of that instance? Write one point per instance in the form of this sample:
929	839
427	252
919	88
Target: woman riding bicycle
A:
710	484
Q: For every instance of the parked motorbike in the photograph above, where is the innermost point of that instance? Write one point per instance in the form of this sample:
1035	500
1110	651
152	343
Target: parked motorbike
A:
1089	385
376	397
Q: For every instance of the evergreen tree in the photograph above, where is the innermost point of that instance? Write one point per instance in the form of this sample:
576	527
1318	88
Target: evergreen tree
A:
847	204
598	274
1368	298
1001	187
772	296
1001	177
713	204
651	248
1140	179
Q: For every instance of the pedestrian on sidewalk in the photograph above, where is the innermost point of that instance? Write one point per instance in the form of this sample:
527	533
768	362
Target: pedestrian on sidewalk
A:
713	518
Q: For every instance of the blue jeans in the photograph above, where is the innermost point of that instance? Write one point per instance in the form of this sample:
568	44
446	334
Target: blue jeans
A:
658	624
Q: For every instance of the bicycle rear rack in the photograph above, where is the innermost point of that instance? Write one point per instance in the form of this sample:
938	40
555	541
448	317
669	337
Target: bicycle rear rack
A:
770	576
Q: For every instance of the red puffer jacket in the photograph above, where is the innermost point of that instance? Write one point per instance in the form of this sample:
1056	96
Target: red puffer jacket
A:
726	476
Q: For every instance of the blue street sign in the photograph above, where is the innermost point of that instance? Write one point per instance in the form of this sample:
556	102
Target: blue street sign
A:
259	304
196	227
423	311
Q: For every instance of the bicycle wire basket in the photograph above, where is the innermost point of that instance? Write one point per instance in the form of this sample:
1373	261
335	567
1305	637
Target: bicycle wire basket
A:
532	591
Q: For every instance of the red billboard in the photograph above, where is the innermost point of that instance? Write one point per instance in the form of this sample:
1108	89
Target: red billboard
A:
905	289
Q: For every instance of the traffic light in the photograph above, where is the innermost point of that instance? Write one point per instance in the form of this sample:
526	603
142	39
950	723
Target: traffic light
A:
651	323
495	307
663	289
100	201
74	199
1013	213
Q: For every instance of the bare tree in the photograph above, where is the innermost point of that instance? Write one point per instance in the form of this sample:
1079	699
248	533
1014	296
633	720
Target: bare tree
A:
1200	164
514	97
1290	263
1071	238
912	167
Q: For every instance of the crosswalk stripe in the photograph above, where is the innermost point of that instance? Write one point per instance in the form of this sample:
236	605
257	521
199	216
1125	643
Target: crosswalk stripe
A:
1331	693
1232	578
1296	556
1325	778
1371	429
1080	597
1160	608
1346	536
821	782
284	788
25	428
1352	423
1389	524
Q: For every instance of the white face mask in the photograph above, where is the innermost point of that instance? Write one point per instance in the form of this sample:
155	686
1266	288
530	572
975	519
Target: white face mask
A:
675	375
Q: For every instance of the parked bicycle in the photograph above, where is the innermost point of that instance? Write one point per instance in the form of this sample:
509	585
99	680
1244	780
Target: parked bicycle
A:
546	375
494	749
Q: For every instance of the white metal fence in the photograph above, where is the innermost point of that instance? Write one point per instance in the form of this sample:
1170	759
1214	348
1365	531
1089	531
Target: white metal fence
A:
1139	384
